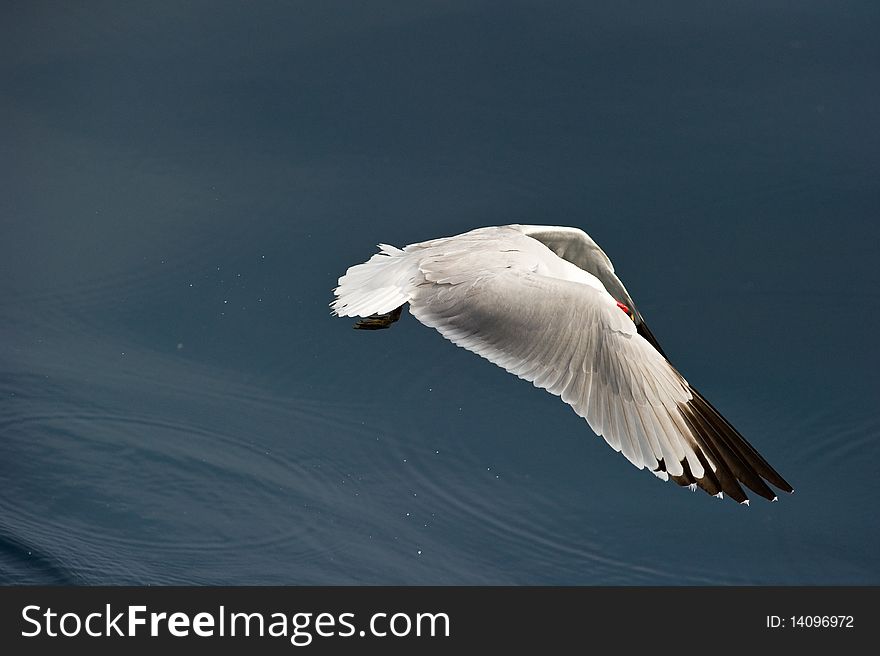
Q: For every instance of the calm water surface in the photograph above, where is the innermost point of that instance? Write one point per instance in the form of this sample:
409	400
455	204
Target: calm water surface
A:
184	183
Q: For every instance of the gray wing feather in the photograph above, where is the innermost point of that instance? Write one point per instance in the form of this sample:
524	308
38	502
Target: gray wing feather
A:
577	247
573	341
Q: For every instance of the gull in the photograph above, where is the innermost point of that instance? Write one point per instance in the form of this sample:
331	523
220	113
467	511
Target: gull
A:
544	303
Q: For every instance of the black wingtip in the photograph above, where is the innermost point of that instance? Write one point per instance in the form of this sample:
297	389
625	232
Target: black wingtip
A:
736	460
747	452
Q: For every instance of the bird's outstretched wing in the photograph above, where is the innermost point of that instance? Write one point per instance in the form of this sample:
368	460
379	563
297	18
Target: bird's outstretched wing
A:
577	247
572	340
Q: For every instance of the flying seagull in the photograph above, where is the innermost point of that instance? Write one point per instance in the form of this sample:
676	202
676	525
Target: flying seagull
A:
544	303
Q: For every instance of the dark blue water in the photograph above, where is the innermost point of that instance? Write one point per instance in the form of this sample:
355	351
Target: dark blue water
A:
183	183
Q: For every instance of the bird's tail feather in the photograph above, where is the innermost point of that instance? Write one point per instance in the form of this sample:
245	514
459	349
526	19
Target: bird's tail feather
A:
378	286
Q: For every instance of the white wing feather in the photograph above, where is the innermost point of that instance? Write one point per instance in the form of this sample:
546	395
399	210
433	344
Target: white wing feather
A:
541	302
564	336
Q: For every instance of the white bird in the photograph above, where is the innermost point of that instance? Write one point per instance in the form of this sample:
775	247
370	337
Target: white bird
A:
544	303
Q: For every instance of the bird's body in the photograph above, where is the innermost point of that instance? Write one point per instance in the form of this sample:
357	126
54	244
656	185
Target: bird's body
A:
544	303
